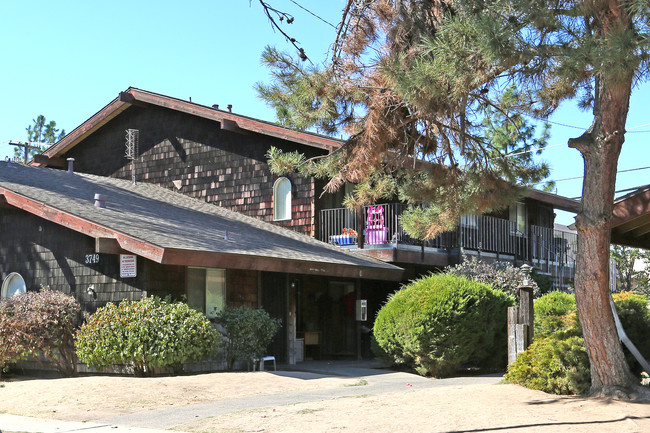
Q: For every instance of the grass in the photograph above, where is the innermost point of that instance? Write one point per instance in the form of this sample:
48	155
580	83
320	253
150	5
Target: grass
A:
360	382
308	411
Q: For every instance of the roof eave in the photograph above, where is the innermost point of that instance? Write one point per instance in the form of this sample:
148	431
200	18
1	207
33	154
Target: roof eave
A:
557	201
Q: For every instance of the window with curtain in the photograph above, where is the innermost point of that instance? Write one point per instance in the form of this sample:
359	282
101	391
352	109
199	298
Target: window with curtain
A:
282	199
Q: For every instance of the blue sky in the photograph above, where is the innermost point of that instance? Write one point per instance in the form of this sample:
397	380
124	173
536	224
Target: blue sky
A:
67	59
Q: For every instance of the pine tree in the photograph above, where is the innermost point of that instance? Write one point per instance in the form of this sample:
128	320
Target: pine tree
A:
39	134
415	80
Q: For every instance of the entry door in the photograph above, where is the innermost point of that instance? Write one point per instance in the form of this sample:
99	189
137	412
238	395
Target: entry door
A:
274	302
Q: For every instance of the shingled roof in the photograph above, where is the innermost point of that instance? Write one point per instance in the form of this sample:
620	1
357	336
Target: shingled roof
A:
170	228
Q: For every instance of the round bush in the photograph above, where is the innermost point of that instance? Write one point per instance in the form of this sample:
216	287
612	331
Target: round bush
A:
146	334
441	322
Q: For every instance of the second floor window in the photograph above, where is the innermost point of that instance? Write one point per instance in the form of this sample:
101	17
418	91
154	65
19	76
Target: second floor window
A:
282	199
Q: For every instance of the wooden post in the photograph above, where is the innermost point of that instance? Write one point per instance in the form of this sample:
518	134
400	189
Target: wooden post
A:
361	228
520	324
526	312
513	312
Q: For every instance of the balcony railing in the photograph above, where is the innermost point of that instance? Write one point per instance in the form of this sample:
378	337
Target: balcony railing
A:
547	249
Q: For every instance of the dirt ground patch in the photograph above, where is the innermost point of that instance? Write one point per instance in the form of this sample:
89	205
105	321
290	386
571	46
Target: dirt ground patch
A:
466	408
93	397
473	408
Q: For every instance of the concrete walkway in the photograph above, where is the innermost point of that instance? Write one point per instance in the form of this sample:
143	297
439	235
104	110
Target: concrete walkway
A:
371	381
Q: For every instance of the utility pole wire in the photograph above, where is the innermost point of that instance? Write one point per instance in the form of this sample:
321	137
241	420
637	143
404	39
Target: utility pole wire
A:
580	177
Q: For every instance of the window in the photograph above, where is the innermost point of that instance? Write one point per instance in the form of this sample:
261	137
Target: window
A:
206	290
14	284
518	215
282	199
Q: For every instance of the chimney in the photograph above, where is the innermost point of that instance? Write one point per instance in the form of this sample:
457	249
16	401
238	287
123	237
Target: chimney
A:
229	107
70	165
100	200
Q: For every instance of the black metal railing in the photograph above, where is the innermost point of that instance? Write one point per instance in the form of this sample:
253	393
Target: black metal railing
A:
549	250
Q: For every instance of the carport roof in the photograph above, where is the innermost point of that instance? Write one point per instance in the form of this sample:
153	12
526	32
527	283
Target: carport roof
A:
631	219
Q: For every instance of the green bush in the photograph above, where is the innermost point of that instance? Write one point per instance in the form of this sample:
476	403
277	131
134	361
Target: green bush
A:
635	317
40	324
557	364
441	322
247	332
146	334
557	361
556	311
500	275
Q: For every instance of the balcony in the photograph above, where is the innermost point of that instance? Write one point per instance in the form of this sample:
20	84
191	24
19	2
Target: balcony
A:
550	251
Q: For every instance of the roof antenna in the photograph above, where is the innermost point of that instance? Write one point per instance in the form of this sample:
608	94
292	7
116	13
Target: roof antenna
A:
132	140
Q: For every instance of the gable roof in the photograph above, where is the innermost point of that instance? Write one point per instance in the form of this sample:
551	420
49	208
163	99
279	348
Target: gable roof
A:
170	228
226	119
631	219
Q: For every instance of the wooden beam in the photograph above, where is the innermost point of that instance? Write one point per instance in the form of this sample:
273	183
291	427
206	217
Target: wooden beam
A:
130	99
174	256
108	246
43	160
229	125
630	241
632	224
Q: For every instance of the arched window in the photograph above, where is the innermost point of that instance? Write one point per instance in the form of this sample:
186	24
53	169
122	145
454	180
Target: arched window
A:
282	199
14	284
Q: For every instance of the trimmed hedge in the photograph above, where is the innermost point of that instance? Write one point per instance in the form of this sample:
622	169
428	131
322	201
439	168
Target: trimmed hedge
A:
146	334
442	322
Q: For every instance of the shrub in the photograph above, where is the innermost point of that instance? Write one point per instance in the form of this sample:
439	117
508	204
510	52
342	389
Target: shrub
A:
40	324
146	334
500	275
441	322
635	317
556	311
558	364
557	361
247	332
11	341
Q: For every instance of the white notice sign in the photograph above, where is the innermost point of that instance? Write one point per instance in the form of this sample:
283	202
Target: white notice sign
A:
128	266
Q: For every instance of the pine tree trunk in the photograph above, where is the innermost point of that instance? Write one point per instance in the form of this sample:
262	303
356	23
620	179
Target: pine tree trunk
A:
600	147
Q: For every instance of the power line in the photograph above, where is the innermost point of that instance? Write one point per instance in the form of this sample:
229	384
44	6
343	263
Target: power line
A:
534	150
562	144
581	177
310	12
